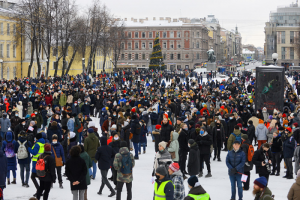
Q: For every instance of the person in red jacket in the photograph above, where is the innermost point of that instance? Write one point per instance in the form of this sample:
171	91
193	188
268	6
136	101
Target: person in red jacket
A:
48	99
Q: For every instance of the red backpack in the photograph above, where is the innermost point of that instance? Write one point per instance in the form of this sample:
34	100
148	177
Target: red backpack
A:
1	194
40	167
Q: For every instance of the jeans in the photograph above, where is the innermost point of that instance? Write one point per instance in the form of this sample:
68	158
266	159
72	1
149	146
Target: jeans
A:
13	171
136	148
153	128
58	171
105	181
149	128
78	194
79	138
44	186
129	190
22	169
144	146
236	179
94	170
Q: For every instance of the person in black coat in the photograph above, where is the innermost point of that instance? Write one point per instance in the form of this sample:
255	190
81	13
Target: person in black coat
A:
136	135
20	127
166	130
76	171
248	164
218	139
125	132
251	131
104	155
204	141
53	129
3	169
183	148
194	155
262	160
49	179
115	145
276	149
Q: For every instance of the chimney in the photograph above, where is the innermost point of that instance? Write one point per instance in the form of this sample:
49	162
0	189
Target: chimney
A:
135	20
169	19
131	18
141	20
125	19
175	20
161	18
146	18
154	19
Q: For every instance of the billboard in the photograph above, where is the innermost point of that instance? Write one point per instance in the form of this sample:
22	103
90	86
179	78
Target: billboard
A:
269	88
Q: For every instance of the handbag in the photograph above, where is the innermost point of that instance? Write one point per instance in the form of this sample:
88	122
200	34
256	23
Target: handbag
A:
173	156
58	161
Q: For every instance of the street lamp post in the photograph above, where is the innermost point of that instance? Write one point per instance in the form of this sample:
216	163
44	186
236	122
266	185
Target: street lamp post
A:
1	61
83	63
160	64
275	58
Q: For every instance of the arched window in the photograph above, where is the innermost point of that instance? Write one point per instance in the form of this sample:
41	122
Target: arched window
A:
7	73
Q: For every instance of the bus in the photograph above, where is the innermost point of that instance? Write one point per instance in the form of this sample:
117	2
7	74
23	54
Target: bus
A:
294	68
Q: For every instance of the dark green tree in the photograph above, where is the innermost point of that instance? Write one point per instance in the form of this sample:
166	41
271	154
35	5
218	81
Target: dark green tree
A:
156	59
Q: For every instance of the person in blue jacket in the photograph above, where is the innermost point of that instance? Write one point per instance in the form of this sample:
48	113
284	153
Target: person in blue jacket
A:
36	151
3	170
288	146
25	162
8	147
235	161
59	151
85	108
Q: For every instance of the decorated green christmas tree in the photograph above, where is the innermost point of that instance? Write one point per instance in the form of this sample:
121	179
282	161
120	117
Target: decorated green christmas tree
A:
156	59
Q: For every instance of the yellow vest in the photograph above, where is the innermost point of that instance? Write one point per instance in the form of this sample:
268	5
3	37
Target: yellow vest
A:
159	193
41	151
200	197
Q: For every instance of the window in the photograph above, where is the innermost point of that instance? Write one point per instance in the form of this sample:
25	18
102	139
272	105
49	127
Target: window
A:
164	45
143	56
178	34
198	56
98	52
165	56
197	34
171	56
53	65
14	50
143	34
292	53
178	45
122	56
129	45
136	34
164	34
54	51
292	37
150	34
197	45
129	56
172	34
1	50
143	45
136	56
282	52
150	45
1	28
14	29
178	56
122	45
8	50
186	55
129	34
283	37
136	45
8	31
171	45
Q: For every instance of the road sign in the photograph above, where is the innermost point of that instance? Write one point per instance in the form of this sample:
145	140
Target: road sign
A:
249	57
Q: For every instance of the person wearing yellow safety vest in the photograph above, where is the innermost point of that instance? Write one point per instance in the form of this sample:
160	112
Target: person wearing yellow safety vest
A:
163	187
36	151
196	190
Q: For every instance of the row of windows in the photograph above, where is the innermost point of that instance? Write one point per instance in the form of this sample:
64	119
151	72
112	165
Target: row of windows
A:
281	39
8	31
150	45
8	46
172	56
284	50
151	35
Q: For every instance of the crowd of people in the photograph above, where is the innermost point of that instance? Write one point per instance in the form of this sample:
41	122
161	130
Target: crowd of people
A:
48	127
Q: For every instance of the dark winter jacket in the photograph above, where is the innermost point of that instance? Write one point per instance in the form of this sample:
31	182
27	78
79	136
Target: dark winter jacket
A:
143	135
104	154
195	191
183	141
136	134
18	129
194	160
165	132
76	170
85	109
251	132
154	118
73	142
276	144
126	132
91	144
3	168
157	138
259	157
49	168
89	164
11	162
235	160
58	150
218	133
248	164
230	125
289	145
75	109
204	142
51	131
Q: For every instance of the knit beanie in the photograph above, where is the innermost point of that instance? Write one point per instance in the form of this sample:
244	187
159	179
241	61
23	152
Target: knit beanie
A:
163	144
123	144
240	125
261	182
157	126
90	130
289	129
161	170
192	180
260	121
174	167
245	136
47	148
191	141
38	136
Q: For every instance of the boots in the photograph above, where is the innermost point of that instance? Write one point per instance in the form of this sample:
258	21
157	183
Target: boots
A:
219	159
273	173
278	174
8	181
144	152
61	186
113	193
208	175
14	181
200	174
214	158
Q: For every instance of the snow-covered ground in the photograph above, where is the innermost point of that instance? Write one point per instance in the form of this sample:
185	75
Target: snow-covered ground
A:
218	186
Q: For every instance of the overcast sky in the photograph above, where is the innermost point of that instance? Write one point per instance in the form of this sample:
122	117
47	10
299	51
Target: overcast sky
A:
249	15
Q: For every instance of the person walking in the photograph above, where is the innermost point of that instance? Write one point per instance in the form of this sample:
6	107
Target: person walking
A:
104	156
246	147
235	161
183	148
260	189
58	154
115	144
194	156
196	190
276	149
177	179
3	171
124	163
91	144
163	187
76	172
218	139
261	132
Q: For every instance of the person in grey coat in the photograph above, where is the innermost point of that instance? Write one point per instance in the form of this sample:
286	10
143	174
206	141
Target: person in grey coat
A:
5	124
261	132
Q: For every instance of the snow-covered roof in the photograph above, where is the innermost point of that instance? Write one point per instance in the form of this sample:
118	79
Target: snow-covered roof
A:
3	10
246	51
151	23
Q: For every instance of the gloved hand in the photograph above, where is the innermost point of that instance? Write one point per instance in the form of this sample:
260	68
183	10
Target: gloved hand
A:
233	171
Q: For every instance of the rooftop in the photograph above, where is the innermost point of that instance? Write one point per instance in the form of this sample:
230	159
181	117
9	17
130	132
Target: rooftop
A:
246	51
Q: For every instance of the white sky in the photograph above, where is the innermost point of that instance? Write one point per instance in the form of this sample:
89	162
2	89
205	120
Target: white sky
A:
249	15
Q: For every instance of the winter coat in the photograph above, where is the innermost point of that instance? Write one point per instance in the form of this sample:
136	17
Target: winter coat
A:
169	188
195	191
143	135
58	148
62	100
105	125
157	138
183	141
154	118
77	124
204	142
297	159
51	131
3	168
14	122
76	170
18	129
231	123
235	159
89	164
267	195
85	109
39	120
75	109
117	164
30	108
194	160
5	124
73	142
136	136
70	124
28	144
162	158
288	146
34	151
49	99
126	131
276	146
296	132
91	144
49	168
261	132
174	146
258	158
165	132
20	108
177	180
104	155
11	162
232	138
248	164
251	132
294	193
215	131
